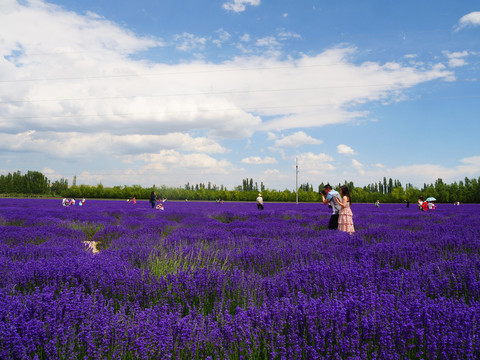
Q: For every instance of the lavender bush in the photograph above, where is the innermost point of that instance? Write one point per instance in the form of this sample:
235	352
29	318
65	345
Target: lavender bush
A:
113	280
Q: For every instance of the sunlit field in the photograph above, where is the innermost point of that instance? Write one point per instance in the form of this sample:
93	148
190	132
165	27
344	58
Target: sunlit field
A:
115	280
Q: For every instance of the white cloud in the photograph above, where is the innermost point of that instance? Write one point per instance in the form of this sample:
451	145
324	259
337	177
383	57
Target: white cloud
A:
271	136
256	160
470	20
317	168
416	174
171	161
222	37
90	31
456	59
358	166
343	85
471	165
65	145
268	41
124	96
287	35
315	163
51	174
345	150
296	140
189	42
239	5
272	172
73	88
245	38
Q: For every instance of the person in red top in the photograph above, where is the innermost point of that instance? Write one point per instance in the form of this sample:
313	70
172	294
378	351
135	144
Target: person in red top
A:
425	206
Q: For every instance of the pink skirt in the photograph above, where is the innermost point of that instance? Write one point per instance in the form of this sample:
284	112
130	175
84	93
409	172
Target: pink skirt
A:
345	220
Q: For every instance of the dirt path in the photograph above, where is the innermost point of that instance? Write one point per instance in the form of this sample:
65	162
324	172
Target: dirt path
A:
92	245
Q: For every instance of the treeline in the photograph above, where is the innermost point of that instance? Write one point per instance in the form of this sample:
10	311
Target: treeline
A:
34	183
31	183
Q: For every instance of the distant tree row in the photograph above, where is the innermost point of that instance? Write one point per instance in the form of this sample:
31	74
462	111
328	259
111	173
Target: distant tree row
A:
386	191
33	182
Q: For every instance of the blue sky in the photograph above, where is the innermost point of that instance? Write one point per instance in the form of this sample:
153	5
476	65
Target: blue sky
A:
170	92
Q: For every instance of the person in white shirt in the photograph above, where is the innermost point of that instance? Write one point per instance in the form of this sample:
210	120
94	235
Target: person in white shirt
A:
260	202
328	198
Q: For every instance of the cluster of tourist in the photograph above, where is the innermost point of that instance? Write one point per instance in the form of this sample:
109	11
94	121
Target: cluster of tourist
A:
339	202
72	202
428	204
157	203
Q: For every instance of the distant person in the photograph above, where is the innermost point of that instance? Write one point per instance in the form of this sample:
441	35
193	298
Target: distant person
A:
65	202
159	207
83	201
72	202
345	218
134	200
153	199
377	203
431	205
260	202
328	198
420	202
424	206
408	203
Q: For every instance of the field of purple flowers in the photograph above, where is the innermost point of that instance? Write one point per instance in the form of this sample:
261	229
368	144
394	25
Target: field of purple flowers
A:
211	281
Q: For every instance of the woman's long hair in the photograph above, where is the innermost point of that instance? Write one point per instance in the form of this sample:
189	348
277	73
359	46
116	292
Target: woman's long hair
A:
346	193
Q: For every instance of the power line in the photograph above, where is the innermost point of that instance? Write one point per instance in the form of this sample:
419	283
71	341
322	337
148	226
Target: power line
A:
164	112
201	93
257	108
172	112
171	73
227	92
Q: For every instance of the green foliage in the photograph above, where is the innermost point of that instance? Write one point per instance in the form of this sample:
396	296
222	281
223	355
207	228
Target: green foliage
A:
34	183
163	262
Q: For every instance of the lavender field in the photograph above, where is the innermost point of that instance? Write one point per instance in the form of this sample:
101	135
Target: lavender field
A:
113	280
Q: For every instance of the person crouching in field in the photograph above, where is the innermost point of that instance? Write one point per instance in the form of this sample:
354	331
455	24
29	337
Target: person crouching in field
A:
345	217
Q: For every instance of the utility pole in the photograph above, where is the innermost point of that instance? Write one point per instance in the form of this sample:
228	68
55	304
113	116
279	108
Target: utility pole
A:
296	178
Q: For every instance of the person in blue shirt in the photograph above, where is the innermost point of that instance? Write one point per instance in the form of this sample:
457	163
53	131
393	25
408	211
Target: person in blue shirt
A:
328	198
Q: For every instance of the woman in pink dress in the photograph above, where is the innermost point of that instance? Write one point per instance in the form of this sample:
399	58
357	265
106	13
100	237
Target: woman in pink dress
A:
345	218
